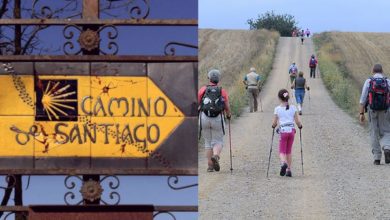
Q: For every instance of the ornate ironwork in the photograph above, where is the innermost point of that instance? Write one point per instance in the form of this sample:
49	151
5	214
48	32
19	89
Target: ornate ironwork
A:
139	12
46	12
90	40
113	183
70	184
173	180
164	212
170	50
92	190
111	35
69	34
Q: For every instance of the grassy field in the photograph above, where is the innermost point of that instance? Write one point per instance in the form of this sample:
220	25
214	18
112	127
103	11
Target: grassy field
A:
233	52
346	60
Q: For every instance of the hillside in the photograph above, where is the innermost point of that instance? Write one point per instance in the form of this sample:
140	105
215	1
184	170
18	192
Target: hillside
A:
346	57
233	52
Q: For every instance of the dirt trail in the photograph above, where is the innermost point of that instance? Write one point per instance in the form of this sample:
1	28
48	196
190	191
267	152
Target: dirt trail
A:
340	181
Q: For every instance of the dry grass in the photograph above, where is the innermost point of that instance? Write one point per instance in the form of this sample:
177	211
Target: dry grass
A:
233	52
361	51
346	60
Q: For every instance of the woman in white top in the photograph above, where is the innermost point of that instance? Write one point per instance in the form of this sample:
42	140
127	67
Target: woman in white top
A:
285	116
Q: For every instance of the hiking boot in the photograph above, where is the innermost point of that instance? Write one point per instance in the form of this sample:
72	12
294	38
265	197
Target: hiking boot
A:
387	156
210	169
288	173
300	112
215	160
283	169
377	162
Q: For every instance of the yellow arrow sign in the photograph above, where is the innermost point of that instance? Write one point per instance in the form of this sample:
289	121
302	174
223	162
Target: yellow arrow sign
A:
82	116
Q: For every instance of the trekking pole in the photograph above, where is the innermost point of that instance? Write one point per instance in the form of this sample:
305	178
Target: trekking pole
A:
230	141
270	150
261	104
300	139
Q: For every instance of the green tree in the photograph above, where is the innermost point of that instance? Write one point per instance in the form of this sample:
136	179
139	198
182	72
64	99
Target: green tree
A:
284	24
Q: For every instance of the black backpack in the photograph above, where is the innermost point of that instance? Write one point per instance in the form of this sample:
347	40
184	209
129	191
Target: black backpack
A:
378	94
212	101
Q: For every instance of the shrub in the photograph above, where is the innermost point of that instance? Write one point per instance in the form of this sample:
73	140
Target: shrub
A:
285	24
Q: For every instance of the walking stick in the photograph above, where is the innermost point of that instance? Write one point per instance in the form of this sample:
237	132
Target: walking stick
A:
230	141
261	104
270	150
309	100
300	139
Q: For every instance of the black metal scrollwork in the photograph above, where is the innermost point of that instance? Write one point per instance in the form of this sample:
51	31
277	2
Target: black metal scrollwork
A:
44	11
112	34
70	184
112	184
174	180
69	34
91	190
138	11
170	49
41	11
164	212
89	39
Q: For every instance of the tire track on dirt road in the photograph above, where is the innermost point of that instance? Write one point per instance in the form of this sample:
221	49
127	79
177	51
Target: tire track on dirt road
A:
340	181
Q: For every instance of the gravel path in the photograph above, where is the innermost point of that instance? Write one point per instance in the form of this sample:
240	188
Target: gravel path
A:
340	181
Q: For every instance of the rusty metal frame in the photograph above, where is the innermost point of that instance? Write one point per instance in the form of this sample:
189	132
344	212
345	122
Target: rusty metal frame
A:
122	22
116	171
157	210
96	58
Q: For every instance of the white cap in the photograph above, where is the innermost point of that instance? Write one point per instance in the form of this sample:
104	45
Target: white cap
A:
252	69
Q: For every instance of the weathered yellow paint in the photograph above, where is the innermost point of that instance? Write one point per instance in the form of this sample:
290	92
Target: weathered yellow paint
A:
10	95
131	115
129	149
8	144
49	144
117	87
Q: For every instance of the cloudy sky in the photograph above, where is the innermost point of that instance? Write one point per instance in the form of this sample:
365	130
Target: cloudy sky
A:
317	15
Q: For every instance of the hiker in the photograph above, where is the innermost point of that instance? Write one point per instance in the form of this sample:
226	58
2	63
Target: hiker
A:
307	32
293	33
313	65
302	38
285	115
213	103
375	100
292	71
252	84
300	85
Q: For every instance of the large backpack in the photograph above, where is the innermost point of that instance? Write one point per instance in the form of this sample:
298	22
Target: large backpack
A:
212	101
312	62
378	94
293	71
